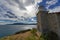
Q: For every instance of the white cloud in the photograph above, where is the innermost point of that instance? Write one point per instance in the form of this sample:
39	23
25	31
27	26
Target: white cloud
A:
56	9
26	8
20	7
38	1
51	2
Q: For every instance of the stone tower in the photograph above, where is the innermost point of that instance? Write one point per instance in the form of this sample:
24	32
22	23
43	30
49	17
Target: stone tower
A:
54	22
48	21
42	22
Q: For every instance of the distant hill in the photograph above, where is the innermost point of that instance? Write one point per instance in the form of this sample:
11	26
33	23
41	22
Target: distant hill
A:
22	24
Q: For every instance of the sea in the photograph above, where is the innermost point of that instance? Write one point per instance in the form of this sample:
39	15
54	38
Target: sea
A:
6	30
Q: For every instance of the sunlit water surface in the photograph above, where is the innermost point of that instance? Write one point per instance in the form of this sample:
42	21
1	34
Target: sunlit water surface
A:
11	29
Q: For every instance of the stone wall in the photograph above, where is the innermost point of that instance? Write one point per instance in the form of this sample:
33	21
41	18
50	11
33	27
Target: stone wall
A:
54	22
42	21
48	22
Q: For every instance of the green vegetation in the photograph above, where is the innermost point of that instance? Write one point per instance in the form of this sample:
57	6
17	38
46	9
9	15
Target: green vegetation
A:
33	31
33	36
22	31
49	36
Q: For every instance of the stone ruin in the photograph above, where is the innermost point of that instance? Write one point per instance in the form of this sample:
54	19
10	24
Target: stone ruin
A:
48	21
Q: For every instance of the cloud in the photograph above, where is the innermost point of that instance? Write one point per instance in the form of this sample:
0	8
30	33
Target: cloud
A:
38	1
52	6
26	8
56	9
50	3
21	7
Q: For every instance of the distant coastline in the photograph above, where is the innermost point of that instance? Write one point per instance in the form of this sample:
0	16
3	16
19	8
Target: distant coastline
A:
23	24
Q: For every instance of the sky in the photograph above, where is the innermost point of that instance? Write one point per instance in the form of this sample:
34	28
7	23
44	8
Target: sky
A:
24	10
22	7
51	5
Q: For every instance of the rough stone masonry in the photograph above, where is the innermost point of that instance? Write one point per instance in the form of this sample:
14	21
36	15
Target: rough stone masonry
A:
48	21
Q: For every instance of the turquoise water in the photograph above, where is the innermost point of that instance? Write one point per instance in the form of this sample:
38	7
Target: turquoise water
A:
11	29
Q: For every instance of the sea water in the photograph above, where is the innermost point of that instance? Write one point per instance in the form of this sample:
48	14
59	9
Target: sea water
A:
6	30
